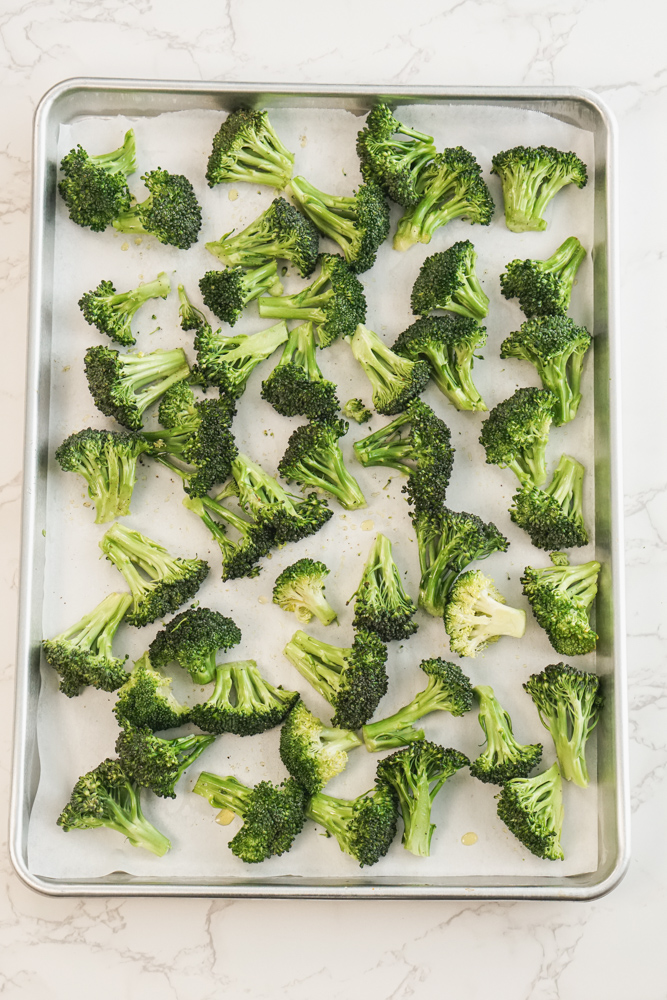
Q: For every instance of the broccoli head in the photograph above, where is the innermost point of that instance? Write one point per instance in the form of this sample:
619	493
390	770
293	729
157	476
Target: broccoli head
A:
192	639
531	177
561	598
448	281
228	362
477	614
300	588
503	758
313	458
312	752
364	827
240	557
146	700
553	517
395	379
156	763
532	809
516	432
544	287
380	602
191	317
243	702
395	163
228	292
246	149
171	212
355	410
123	386
279	232
296	386
94	188
112	312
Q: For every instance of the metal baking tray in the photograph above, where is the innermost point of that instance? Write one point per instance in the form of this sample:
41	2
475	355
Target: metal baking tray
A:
108	97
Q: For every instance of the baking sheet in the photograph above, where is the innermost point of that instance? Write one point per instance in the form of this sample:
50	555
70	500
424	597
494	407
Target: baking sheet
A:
82	260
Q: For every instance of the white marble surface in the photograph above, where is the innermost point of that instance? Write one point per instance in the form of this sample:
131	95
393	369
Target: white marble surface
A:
198	949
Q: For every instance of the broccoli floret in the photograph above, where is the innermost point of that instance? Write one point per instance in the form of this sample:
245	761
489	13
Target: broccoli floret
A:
272	815
239	558
247	150
296	386
477	614
352	679
124	385
544	287
280	231
532	809
364	827
395	380
171	212
146	700
516	432
556	346
228	292
227	362
300	588
559	558
561	598
450	187
416	774
313	458
156	763
447	344
112	312
192	639
380	602
448	281
355	410
335	302
396	164
568	702
447	690
94	188
107	797
503	757
191	317
159	582
243	702
553	517
107	460
358	223
531	177
83	655
312	752
448	542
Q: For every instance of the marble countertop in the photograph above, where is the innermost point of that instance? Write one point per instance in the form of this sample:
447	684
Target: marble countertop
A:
199	948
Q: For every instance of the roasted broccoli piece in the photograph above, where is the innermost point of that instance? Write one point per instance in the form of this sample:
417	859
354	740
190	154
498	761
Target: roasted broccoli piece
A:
531	177
516	432
243	702
450	187
171	212
532	809
544	287
191	318
146	700
300	588
358	223
335	302
106	796
380	602
94	188
124	385
556	346
247	150
83	655
396	164
561	598
272	815
112	312
448	281
477	614
568	702
312	752
416	774
240	557
227	362
364	827
352	680
159	582
313	458
296	386
553	517
280	232
395	380
503	758
355	410
156	763
447	690
228	292
192	639
447	344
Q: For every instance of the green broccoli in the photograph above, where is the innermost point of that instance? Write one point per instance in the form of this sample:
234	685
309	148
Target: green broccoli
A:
227	362
477	614
355	410
416	774
146	700
447	344
364	827
352	679
447	690
112	312
192	639
313	458
516	432
553	517
380	602
568	702
448	281
159	582
156	763
300	588
531	177
243	702
561	598
556	346
544	287
395	380
228	292
94	188
280	232
312	752
532	809
125	385
272	815
190	316
358	223
83	655
396	164
296	386
240	557
247	150
171	212
504	758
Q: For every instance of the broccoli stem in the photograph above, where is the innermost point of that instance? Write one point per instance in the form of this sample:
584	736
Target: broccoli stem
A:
334	815
520	192
257	280
141	370
153	559
333	215
320	607
127	818
127	303
330	474
118	161
580	582
304	305
251	168
300	350
566	260
411	226
566	487
437	576
501	619
317	661
98	628
398	729
416	809
385	447
224	793
562	375
571	745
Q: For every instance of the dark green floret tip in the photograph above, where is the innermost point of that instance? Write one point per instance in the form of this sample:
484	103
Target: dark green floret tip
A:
364	827
448	281
94	188
192	639
171	212
296	386
532	809
227	293
246	149
312	752
146	700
